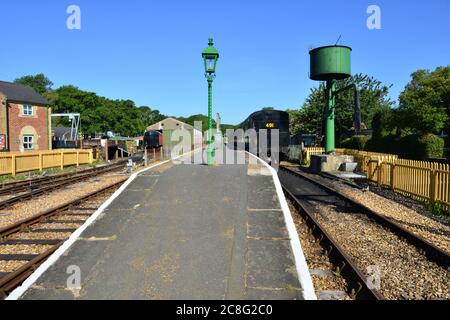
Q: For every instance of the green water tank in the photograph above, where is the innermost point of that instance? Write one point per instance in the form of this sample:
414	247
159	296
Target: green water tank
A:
330	63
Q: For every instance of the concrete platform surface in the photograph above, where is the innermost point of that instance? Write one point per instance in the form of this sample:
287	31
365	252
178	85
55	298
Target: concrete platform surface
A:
182	232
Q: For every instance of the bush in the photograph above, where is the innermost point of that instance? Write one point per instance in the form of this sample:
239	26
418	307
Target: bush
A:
295	154
447	153
303	160
411	146
355	142
430	146
437	209
382	122
384	144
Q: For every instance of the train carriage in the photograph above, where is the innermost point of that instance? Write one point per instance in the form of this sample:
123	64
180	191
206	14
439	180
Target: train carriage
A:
153	139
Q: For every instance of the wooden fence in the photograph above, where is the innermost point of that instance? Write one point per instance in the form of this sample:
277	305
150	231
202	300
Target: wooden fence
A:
17	162
361	157
364	157
307	152
421	180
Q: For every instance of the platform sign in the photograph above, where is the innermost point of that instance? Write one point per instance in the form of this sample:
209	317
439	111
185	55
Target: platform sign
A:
2	142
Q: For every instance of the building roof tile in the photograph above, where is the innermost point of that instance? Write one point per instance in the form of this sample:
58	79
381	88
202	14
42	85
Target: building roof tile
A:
21	93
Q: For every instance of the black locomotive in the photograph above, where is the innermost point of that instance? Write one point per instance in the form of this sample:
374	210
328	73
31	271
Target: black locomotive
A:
266	121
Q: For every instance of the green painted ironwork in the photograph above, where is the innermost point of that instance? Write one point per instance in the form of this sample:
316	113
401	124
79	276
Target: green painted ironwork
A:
329	117
210	56
330	63
210	145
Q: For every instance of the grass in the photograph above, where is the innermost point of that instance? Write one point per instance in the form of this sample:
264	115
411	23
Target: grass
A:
9	178
97	163
306	162
437	209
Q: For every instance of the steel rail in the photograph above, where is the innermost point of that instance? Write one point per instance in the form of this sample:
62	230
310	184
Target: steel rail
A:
432	252
14	279
23	224
358	287
55	184
24	185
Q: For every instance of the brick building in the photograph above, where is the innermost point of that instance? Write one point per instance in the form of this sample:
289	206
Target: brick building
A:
25	119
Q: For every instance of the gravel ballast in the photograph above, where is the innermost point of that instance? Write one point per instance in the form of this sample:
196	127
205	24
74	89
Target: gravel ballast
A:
399	270
435	229
29	208
90	205
24	249
328	284
405	273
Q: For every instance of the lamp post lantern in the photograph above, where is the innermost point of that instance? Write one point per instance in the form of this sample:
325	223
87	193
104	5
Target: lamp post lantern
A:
210	56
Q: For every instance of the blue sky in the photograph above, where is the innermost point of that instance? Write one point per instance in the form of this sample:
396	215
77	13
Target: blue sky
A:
150	51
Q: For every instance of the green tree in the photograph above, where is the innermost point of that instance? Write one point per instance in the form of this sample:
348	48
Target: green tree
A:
204	120
225	127
425	101
294	121
198	117
39	82
146	117
373	97
383	122
100	114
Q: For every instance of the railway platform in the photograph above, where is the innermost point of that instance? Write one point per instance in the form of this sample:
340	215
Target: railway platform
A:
183	231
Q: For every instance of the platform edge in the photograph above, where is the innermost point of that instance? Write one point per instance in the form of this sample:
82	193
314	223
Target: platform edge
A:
17	293
303	273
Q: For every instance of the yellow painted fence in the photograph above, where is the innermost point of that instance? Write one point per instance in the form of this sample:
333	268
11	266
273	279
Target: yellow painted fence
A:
312	151
18	162
362	157
421	180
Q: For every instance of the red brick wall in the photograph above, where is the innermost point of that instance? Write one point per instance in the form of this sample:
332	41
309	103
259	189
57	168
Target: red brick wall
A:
39	121
2	118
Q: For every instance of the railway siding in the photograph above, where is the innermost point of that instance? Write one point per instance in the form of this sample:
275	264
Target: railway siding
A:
24	209
405	272
435	229
23	249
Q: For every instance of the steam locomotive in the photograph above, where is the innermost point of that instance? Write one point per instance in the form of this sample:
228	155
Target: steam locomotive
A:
267	121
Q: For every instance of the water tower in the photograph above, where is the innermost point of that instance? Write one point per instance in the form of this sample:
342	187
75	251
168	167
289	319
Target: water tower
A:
330	63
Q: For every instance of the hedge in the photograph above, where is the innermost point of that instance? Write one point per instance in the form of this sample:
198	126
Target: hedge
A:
418	147
355	142
431	146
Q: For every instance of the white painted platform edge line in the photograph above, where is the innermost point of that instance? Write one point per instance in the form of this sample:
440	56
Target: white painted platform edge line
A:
19	291
300	261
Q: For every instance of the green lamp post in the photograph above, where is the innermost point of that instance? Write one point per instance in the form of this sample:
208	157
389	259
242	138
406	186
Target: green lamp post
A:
210	56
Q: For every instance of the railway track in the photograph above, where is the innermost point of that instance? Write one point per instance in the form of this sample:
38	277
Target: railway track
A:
22	190
347	230
44	233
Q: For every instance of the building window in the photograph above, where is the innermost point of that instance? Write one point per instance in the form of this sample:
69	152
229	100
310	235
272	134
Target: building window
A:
28	142
27	110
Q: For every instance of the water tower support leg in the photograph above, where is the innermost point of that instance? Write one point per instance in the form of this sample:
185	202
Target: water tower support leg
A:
329	116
